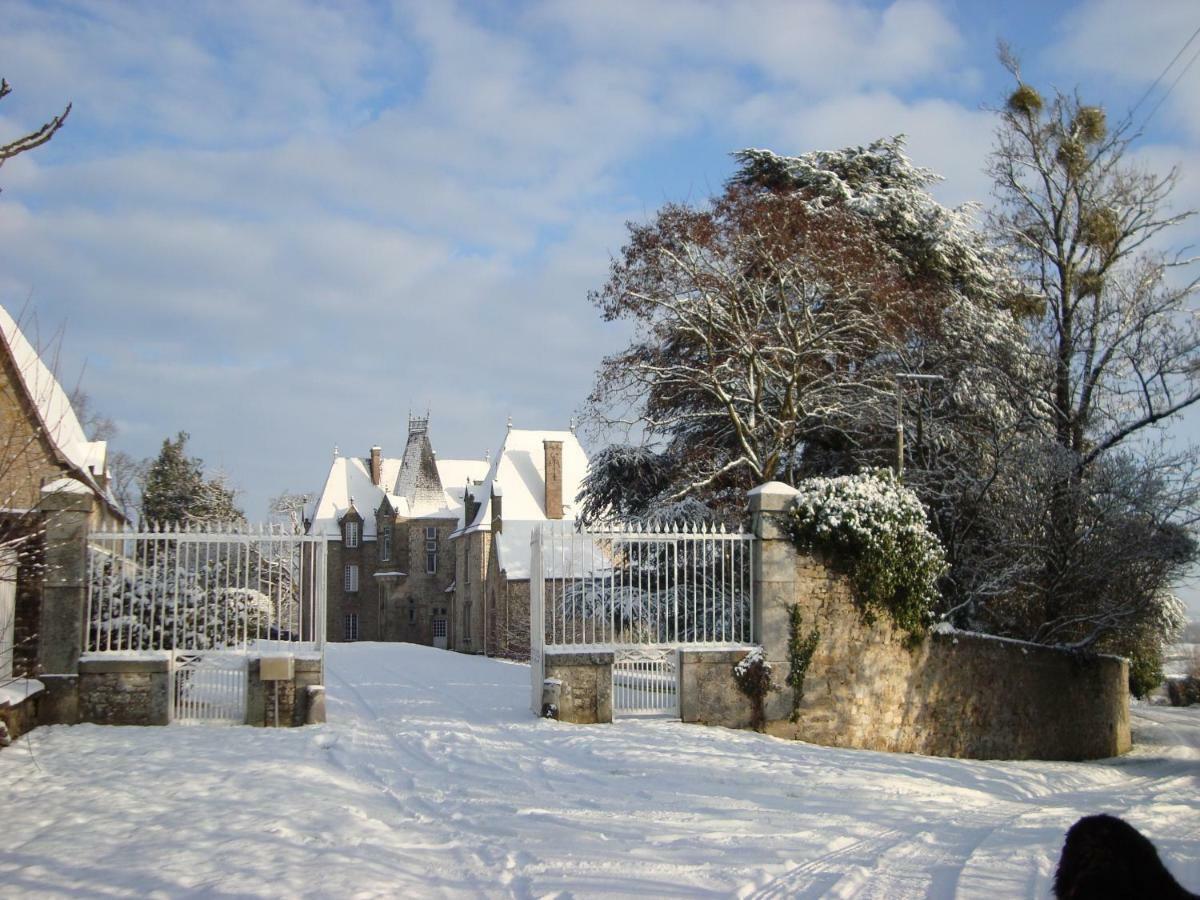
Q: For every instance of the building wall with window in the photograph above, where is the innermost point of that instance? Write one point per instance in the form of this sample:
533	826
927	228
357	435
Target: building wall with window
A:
470	596
351	588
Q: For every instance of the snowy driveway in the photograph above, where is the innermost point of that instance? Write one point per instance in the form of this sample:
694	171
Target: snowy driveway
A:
431	779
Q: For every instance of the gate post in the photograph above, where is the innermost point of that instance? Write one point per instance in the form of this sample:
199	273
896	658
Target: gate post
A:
67	507
773	572
537	621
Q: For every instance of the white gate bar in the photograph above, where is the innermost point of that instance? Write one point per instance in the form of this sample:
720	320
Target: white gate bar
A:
628	585
205	587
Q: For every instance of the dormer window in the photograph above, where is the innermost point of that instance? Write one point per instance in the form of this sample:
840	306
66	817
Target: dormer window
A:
385	543
352	534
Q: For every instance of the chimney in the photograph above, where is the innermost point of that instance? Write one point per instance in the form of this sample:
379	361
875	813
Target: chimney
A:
497	509
554	499
376	465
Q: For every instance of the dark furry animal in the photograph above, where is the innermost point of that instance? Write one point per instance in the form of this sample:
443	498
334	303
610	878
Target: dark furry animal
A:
1106	858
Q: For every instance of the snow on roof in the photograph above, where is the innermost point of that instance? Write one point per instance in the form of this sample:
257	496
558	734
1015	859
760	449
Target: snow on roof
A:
518	473
350	479
455	475
66	486
579	557
53	407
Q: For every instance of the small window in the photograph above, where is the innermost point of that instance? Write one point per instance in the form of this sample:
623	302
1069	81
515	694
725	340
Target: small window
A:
385	543
467	563
467	622
350	632
412	612
351	578
431	549
352	534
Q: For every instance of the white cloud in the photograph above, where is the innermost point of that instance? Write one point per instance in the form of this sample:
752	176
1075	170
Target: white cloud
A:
279	225
1134	44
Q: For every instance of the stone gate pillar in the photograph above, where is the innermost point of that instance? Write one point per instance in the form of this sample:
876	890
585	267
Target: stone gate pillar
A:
774	574
67	507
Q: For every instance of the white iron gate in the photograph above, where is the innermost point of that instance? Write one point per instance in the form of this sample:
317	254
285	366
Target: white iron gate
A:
209	688
645	681
641	591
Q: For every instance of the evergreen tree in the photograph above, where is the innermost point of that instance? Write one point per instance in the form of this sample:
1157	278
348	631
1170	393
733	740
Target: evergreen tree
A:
176	492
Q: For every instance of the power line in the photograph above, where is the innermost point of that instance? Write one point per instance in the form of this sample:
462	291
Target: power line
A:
1163	73
1167	94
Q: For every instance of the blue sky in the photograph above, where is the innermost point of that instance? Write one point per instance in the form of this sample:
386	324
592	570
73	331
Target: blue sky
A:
281	225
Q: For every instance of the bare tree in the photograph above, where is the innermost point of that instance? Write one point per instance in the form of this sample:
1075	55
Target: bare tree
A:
1111	318
34	138
1081	219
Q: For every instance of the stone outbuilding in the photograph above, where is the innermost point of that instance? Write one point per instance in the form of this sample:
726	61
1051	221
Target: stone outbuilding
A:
54	486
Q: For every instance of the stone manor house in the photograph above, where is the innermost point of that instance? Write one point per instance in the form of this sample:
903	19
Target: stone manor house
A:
436	551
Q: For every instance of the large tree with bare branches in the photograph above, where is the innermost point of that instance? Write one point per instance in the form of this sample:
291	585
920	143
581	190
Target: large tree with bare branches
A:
1111	316
772	323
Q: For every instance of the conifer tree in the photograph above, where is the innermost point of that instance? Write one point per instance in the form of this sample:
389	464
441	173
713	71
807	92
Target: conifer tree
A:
176	492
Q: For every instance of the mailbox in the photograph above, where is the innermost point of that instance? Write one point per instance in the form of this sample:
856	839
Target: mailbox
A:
277	668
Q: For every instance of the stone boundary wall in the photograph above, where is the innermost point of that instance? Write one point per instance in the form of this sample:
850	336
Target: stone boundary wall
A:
118	689
708	692
584	683
125	690
297	705
955	694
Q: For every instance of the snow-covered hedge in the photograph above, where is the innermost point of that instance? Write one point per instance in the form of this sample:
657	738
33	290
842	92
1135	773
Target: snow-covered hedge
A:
874	529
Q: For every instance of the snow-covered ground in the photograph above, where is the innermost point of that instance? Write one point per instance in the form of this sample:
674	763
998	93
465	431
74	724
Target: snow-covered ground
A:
432	779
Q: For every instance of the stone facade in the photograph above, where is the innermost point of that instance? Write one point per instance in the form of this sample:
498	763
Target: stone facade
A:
53	483
475	593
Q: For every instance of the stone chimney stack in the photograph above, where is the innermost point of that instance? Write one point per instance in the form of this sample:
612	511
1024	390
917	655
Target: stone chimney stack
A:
554	498
376	465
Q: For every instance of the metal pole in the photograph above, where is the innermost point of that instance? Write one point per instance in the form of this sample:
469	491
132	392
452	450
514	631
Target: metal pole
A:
905	376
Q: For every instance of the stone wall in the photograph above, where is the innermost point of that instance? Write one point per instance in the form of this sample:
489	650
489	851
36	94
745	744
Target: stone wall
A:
295	696
585	692
135	690
125	690
954	694
708	692
20	715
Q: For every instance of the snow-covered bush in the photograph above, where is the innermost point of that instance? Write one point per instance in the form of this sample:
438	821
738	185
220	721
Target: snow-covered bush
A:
873	528
753	677
136	607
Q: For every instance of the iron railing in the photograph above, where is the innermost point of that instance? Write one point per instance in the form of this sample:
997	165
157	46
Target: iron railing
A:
206	588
